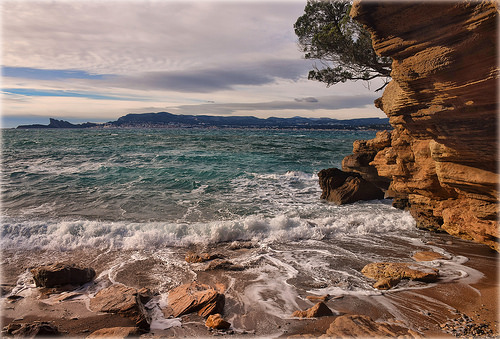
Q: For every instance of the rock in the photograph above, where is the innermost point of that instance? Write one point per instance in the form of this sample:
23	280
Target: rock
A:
31	330
323	298
124	301
386	283
195	297
215	321
238	245
318	310
361	326
427	256
116	332
192	257
396	271
61	274
346	187
442	102
220	264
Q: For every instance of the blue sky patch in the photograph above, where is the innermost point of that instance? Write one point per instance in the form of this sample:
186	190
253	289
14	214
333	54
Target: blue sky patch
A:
59	93
48	74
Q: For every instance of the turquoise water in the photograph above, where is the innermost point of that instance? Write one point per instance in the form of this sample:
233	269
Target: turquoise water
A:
151	187
144	196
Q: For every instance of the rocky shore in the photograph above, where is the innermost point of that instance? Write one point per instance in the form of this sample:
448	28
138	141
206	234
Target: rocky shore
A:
440	161
82	302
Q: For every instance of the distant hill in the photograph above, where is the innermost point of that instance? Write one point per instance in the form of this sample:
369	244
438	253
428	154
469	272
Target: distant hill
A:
169	120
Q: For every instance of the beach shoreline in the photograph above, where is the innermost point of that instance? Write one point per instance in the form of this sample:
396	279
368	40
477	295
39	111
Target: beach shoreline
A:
429	311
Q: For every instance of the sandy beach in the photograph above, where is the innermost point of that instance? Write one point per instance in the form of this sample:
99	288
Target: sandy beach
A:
442	309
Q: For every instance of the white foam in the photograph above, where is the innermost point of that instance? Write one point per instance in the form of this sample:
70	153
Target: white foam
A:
335	222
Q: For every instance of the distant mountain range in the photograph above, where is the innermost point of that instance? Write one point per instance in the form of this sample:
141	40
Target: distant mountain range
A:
169	120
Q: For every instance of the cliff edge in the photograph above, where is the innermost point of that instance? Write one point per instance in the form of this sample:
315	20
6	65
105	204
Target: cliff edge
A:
442	102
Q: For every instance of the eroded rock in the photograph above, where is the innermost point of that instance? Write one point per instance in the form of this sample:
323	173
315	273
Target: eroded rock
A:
124	301
389	274
427	256
195	297
61	274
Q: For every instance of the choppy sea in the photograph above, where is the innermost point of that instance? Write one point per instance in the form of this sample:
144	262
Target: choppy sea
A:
150	192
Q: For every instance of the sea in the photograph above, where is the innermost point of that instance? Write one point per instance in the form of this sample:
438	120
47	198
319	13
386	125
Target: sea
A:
135	198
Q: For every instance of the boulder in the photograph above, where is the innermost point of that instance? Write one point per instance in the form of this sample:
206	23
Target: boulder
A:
195	297
318	310
116	333
61	274
31	330
215	321
346	187
124	301
361	326
389	274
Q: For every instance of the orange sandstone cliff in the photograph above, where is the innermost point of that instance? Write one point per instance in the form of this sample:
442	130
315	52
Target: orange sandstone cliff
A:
440	161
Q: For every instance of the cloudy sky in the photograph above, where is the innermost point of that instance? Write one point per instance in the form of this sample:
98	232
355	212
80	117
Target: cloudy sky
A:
98	60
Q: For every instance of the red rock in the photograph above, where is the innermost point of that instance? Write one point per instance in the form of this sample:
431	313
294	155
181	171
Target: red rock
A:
195	297
442	102
116	332
216	321
318	310
124	301
346	187
61	274
386	283
323	298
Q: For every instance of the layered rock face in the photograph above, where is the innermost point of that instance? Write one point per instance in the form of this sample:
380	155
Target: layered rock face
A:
442	103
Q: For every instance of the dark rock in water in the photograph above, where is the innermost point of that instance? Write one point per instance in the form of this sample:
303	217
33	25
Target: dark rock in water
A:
215	321
195	297
220	264
318	310
31	330
361	326
346	187
61	274
124	301
116	333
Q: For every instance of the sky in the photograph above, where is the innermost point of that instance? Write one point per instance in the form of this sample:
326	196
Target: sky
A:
99	60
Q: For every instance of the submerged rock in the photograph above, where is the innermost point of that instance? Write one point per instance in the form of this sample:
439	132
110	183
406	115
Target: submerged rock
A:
361	326
427	256
61	274
346	187
192	257
220	264
124	301
389	274
195	297
318	310
215	321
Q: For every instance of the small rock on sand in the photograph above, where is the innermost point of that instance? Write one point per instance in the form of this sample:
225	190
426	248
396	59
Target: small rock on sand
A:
215	321
318	310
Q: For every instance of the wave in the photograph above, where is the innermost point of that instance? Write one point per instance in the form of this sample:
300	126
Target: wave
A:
359	219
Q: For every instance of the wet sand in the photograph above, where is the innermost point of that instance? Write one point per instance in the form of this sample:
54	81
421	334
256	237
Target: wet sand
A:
430	311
